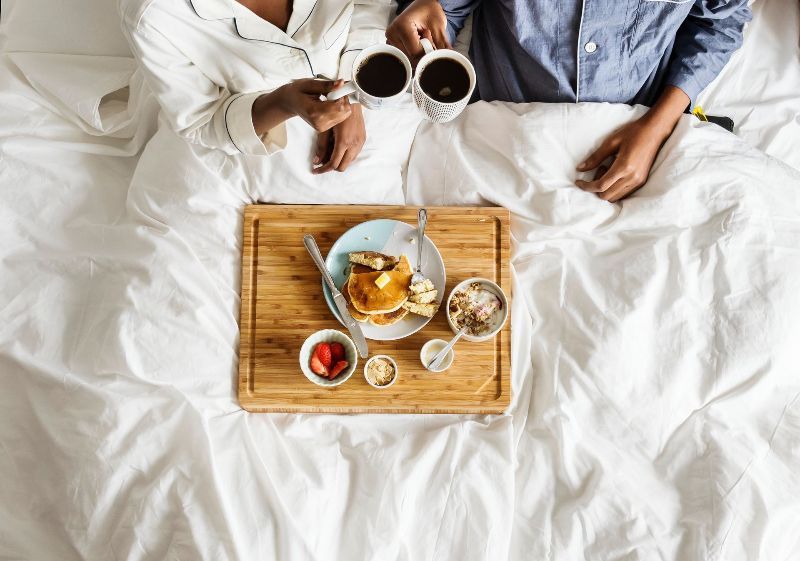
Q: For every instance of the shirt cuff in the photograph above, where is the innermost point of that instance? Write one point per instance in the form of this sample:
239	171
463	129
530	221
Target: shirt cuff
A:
239	124
346	64
688	84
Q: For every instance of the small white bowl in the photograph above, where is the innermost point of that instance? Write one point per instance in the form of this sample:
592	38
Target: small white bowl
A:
441	343
328	336
394	364
491	287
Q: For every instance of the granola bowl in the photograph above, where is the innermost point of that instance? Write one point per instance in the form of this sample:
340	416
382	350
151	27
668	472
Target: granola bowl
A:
481	305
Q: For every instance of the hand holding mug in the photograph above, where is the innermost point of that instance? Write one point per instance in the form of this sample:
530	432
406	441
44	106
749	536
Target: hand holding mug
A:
442	84
381	76
302	98
423	19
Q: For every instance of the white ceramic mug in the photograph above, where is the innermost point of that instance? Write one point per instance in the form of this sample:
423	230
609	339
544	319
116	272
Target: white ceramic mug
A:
438	111
357	94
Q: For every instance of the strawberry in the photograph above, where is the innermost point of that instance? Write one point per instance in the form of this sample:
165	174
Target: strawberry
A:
323	353
337	352
317	367
337	369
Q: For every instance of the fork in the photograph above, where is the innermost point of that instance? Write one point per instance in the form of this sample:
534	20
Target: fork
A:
422	221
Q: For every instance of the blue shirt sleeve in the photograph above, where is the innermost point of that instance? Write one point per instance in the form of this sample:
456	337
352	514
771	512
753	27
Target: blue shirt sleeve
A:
705	42
455	10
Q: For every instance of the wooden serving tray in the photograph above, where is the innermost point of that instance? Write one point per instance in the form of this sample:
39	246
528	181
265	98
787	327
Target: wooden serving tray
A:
283	303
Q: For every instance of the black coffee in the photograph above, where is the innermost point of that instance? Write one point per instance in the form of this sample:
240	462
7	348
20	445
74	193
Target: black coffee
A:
382	75
445	80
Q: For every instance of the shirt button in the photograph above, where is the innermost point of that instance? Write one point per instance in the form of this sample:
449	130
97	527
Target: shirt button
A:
590	47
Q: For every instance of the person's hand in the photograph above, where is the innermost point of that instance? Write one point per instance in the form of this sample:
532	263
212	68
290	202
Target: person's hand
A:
301	98
339	146
422	18
634	148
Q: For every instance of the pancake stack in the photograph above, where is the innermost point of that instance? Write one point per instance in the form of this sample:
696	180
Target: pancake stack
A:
387	304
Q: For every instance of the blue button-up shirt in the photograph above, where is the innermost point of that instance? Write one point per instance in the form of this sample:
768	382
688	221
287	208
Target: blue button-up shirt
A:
622	51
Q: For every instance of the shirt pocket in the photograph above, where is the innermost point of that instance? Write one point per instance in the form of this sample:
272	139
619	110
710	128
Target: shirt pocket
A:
657	21
339	26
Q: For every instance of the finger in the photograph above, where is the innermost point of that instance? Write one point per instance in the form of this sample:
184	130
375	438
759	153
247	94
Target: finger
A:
409	37
392	38
348	158
608	148
323	141
339	150
426	33
617	187
620	190
602	184
333	113
335	158
601	171
438	36
328	166
320	87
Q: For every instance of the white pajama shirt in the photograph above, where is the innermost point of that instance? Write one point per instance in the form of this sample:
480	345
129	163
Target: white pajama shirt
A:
207	61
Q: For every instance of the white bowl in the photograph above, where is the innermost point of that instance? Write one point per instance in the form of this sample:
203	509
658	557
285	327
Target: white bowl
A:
448	360
328	336
491	287
394	364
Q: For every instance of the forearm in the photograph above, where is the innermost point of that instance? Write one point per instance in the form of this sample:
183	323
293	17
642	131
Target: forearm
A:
667	111
270	110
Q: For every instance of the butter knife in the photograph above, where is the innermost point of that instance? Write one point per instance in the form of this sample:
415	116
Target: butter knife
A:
341	304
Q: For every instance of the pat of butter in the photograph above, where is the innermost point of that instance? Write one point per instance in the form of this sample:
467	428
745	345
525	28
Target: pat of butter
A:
383	280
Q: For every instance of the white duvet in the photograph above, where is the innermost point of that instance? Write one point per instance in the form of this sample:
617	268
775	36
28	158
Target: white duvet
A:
655	348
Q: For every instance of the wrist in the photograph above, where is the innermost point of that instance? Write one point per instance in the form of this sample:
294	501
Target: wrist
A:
271	109
283	100
660	123
667	111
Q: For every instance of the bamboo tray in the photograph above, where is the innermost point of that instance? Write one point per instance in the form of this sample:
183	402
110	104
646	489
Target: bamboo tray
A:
282	304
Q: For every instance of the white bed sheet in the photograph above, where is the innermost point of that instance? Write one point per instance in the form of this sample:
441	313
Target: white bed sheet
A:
657	416
760	87
654	350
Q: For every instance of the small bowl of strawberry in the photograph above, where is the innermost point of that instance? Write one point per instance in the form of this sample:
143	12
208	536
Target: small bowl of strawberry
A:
328	358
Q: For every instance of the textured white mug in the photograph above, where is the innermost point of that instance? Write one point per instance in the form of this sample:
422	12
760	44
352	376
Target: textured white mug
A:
439	111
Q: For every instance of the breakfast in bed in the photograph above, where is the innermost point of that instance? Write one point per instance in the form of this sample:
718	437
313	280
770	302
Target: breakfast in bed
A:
368	327
384	280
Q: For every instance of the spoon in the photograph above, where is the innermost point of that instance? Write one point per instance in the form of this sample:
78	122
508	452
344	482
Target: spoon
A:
422	221
437	361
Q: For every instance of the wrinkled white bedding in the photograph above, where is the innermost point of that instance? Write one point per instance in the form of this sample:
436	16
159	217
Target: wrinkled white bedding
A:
657	416
656	411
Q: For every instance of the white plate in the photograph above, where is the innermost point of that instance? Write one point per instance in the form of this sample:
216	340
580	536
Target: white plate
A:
390	237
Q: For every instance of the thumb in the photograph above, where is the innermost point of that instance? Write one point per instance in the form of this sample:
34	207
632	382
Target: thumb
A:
607	148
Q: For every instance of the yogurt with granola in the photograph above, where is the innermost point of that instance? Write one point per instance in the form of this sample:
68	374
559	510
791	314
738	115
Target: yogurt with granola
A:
477	308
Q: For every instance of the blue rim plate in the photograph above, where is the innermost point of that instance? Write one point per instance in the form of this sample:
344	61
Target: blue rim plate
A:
390	237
